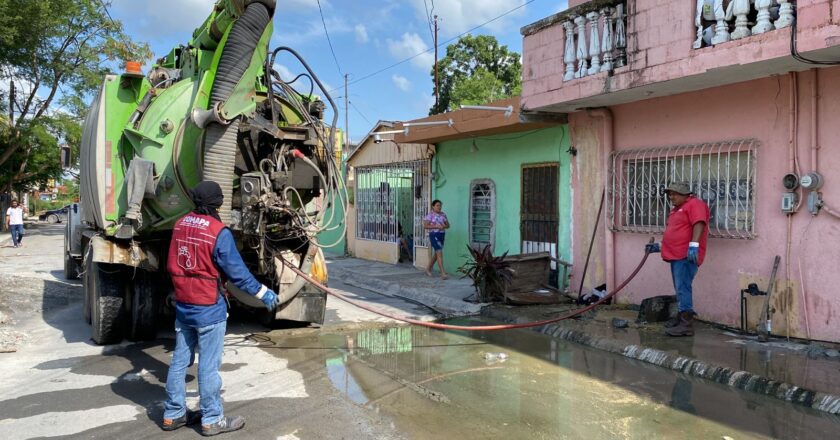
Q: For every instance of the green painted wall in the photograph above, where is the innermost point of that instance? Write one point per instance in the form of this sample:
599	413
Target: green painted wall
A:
500	158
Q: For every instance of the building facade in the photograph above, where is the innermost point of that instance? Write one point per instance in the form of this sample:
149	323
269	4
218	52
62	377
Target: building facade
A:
735	97
503	179
390	186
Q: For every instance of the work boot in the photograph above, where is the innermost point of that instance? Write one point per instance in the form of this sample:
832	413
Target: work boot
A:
673	322
190	418
684	328
227	424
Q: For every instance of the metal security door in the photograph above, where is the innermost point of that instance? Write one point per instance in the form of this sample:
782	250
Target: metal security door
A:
539	212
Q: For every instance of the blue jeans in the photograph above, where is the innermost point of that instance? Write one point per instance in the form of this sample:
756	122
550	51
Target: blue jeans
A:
683	272
210	341
17	234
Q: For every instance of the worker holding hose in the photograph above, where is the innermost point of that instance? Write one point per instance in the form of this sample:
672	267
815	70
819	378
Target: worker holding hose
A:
684	248
202	254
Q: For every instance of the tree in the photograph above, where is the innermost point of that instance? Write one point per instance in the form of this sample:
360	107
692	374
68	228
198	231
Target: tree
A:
476	70
52	52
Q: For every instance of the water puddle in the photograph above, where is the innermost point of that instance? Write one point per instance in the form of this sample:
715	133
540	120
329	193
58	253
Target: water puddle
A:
455	384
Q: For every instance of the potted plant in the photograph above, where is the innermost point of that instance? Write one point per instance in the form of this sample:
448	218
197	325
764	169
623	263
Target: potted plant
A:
490	275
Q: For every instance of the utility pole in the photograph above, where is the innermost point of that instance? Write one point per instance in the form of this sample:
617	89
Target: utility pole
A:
346	117
343	166
437	83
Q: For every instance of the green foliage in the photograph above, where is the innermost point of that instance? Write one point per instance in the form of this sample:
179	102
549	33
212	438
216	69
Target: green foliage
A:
55	52
490	275
477	70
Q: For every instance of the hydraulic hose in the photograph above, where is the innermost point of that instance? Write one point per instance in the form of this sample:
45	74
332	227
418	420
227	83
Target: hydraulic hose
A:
440	326
221	140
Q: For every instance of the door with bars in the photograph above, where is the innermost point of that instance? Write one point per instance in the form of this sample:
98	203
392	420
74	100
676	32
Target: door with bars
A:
391	201
539	211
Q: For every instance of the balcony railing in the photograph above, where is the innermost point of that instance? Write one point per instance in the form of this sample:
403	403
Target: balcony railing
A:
596	38
739	19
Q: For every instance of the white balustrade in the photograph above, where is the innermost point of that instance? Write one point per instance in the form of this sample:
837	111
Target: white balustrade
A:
763	23
620	37
721	26
605	48
594	43
785	14
569	53
582	50
741	8
607	39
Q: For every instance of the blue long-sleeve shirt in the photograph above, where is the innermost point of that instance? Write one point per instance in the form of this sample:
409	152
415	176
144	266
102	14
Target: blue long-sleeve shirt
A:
229	262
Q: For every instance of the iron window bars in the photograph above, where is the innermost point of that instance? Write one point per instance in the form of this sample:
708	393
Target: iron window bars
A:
720	173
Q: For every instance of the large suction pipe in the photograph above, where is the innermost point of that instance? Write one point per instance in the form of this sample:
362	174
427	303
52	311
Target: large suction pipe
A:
220	144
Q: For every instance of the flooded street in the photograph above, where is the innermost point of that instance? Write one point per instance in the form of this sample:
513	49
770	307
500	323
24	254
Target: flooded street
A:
433	384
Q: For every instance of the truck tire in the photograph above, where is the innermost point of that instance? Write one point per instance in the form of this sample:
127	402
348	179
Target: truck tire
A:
144	307
107	303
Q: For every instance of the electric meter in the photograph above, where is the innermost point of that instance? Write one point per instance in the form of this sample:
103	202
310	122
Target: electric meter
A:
811	181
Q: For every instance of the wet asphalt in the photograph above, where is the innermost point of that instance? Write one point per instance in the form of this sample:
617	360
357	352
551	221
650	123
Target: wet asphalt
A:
357	377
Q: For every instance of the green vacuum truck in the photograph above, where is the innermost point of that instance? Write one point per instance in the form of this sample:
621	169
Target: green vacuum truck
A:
213	109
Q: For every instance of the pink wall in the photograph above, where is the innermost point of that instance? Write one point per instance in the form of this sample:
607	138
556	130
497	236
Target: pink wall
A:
756	109
659	47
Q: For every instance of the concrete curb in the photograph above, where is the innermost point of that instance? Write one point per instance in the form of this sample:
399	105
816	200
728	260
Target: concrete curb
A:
424	296
693	367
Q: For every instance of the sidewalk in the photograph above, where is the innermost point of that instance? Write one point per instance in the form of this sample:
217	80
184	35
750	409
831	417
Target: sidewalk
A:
797	372
406	281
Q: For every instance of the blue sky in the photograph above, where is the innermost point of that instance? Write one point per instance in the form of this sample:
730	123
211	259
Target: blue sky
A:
367	35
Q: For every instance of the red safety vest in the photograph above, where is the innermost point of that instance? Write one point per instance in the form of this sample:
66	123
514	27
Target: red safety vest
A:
194	274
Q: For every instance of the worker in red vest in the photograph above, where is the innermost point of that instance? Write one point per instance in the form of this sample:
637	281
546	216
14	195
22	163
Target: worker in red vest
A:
684	248
202	256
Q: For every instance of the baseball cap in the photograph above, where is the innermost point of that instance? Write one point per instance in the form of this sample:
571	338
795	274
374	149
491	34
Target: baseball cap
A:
679	188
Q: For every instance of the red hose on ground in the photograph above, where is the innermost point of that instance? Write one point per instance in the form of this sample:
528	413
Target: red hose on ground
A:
464	327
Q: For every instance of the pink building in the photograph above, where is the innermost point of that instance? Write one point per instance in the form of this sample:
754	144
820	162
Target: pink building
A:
722	96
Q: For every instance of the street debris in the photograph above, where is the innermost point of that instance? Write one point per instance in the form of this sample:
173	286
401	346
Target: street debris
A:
620	323
495	357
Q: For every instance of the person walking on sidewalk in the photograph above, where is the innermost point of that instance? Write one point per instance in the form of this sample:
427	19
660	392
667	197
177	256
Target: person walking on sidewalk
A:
684	247
14	223
202	255
436	223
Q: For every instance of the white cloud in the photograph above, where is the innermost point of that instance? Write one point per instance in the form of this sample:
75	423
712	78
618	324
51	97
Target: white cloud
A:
156	18
361	34
410	45
290	31
284	72
456	16
401	82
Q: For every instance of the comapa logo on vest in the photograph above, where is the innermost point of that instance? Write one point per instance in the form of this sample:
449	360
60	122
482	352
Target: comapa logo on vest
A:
196	221
187	252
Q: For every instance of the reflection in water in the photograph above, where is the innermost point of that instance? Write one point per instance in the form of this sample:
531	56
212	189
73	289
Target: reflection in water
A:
433	384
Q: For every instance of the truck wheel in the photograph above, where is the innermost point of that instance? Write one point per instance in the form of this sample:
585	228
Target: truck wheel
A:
107	308
144	307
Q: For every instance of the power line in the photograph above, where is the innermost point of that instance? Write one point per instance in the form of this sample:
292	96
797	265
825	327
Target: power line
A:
429	18
360	113
439	45
324	22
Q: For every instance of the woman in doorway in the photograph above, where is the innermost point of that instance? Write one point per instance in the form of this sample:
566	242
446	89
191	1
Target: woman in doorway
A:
436	223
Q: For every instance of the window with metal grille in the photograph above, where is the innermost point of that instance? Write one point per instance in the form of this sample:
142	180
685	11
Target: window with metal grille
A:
721	173
482	213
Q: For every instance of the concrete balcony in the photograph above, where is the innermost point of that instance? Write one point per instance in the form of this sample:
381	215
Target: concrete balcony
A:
662	53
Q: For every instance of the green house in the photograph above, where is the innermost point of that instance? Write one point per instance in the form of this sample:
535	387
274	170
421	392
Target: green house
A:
503	177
